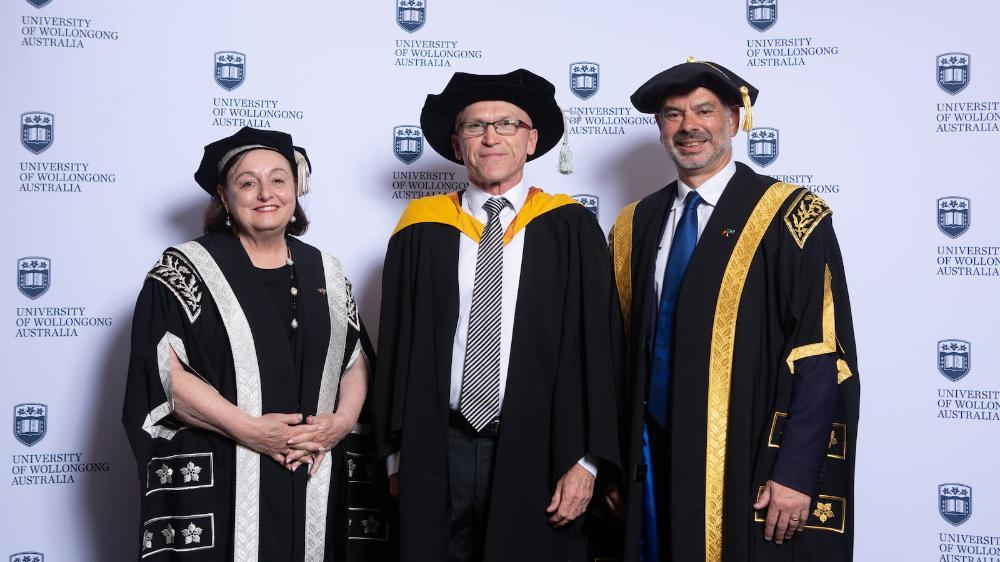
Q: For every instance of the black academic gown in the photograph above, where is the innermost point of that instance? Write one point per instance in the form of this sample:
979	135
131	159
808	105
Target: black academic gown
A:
559	402
204	301
792	308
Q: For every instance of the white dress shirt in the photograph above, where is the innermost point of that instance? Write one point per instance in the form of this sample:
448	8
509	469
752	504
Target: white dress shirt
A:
468	251
710	192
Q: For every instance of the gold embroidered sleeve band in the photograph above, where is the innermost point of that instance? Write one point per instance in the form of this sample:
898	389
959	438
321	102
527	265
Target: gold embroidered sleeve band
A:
829	343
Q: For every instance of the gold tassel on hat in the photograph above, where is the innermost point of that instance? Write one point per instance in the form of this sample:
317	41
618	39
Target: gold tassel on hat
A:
747	112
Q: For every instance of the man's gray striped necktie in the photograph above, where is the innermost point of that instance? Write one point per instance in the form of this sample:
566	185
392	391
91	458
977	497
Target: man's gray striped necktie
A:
479	401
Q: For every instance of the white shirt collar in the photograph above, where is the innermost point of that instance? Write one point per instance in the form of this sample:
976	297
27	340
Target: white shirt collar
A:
711	190
475	198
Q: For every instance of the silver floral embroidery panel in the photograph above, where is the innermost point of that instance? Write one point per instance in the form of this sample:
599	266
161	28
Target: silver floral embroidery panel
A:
179	533
180	472
365	524
360	470
177	274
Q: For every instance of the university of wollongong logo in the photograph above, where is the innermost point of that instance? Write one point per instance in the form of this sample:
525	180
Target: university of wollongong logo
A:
954	358
953	71
762	14
30	423
955	503
584	79
230	69
33	276
411	14
407	143
954	215
37	129
591	202
762	145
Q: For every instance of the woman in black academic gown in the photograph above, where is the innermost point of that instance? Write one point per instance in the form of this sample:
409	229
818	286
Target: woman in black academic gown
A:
249	368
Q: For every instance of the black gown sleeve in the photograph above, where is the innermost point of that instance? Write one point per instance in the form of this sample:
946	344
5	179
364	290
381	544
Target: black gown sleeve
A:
395	334
182	471
817	294
587	387
165	311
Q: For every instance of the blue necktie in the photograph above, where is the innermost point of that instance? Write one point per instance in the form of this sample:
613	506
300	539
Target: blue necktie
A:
685	237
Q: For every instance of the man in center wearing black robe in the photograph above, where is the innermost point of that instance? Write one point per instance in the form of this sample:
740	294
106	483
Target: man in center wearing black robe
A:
501	467
742	369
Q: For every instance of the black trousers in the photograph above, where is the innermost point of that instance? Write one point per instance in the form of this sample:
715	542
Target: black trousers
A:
659	450
470	476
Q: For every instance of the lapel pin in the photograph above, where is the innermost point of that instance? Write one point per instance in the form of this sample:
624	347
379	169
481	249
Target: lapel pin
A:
727	232
321	290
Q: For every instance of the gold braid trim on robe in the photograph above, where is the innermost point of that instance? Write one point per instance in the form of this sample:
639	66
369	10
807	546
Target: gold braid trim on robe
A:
721	360
620	241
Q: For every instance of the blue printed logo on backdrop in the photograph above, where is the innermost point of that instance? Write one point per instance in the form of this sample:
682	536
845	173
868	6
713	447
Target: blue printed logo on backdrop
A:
411	14
584	79
954	215
953	71
955	503
33	276
230	69
762	145
589	201
408	143
954	358
27	557
30	423
762	14
36	130
38	3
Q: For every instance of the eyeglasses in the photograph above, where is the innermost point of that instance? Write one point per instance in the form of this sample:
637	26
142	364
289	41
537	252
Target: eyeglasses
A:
506	127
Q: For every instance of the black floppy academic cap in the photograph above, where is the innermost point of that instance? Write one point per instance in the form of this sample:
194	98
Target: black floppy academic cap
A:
529	91
220	154
690	75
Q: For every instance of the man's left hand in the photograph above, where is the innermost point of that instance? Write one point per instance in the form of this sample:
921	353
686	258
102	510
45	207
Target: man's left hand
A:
573	492
787	511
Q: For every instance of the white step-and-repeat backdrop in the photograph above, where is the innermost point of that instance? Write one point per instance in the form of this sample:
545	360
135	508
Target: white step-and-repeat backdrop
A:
889	110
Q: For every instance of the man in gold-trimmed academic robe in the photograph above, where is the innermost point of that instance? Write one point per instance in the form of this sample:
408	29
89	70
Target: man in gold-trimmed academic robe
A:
763	387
